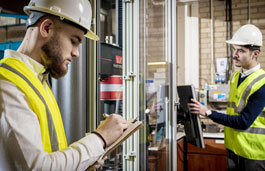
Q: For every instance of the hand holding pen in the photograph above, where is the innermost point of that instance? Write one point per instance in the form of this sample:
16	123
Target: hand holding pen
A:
112	128
105	115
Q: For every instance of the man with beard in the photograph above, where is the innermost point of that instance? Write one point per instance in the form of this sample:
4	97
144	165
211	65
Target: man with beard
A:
32	136
244	120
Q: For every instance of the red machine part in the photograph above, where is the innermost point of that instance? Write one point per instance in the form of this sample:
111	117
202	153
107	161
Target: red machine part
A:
111	88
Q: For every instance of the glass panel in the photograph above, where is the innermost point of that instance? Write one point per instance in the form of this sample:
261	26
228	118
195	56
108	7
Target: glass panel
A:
155	68
110	70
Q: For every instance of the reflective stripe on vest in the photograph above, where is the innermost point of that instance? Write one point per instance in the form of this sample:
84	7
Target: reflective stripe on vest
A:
246	93
254	130
52	131
247	143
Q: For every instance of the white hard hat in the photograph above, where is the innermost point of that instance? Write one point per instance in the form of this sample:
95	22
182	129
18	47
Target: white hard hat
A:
76	11
247	35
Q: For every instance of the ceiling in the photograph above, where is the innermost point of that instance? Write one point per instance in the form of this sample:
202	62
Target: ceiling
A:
13	6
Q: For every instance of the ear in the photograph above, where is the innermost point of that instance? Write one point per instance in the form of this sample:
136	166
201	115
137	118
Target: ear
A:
256	54
46	28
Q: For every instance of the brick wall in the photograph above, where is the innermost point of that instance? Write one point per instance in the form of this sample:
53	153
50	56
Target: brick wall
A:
240	16
12	33
11	29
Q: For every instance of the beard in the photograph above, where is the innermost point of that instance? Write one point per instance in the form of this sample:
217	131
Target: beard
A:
54	61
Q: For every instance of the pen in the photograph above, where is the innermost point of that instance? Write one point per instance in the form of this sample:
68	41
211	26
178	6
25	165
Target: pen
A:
105	115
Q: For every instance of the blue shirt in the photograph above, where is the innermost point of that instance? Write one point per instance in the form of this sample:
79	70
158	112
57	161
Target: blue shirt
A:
254	107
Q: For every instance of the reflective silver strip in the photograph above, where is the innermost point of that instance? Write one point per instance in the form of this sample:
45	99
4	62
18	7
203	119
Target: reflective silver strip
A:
52	132
232	77
232	105
242	102
253	130
262	114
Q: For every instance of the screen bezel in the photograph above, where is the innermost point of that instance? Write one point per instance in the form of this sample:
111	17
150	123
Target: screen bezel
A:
192	124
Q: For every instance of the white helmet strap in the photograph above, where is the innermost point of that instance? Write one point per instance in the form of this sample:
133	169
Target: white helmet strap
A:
34	17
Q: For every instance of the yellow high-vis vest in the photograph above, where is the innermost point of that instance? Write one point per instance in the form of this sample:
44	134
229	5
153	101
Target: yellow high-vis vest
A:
249	143
41	102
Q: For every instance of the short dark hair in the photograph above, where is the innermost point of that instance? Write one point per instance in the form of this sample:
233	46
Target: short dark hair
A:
252	48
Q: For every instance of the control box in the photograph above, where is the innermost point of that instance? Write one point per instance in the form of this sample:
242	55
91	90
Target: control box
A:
218	92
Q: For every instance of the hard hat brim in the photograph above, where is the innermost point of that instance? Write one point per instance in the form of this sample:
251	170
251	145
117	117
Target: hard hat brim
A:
91	35
233	42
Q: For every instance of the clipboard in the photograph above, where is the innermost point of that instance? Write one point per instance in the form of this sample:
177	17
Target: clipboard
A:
133	126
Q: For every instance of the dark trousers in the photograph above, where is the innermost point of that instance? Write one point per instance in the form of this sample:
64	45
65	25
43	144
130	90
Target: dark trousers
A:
237	163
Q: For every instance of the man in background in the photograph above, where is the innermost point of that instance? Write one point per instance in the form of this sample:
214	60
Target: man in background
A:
244	120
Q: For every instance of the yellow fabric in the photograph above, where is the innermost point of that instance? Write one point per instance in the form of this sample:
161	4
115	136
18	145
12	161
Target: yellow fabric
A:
35	103
245	143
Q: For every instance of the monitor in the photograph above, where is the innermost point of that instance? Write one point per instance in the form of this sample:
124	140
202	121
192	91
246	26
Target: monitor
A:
191	122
